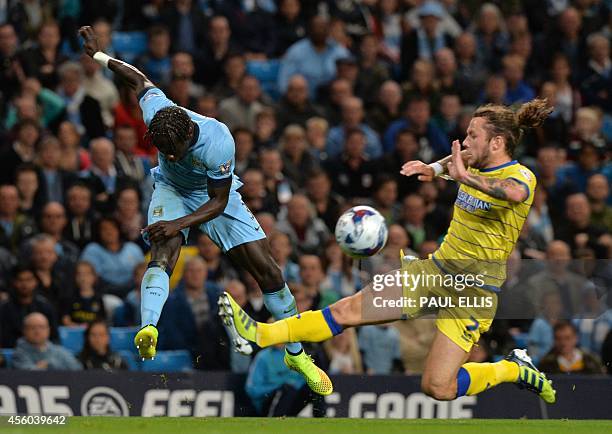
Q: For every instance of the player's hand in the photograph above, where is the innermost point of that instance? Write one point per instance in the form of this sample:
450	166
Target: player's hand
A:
456	167
162	230
416	167
91	40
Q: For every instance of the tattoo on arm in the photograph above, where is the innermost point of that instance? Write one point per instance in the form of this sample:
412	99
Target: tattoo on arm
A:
497	188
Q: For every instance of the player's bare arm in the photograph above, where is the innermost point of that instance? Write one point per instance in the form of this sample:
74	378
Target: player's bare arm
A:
219	196
505	189
133	77
427	172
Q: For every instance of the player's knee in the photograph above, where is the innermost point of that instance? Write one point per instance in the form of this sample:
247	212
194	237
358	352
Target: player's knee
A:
346	311
437	389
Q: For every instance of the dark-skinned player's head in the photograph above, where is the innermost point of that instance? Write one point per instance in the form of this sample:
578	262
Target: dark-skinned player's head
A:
170	131
497	129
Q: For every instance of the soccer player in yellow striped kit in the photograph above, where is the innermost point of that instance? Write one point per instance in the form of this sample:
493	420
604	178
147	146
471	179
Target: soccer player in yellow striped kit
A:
493	201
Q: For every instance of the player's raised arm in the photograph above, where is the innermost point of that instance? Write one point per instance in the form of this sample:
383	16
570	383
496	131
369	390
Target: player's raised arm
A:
135	79
427	172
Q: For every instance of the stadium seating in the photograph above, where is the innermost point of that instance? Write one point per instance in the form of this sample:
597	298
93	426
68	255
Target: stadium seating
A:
7	353
129	45
266	71
169	361
71	338
521	340
131	359
122	338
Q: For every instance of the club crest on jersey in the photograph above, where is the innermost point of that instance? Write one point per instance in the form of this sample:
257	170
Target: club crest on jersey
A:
225	167
158	211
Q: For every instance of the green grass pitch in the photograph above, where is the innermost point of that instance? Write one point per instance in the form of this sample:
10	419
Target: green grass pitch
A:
184	425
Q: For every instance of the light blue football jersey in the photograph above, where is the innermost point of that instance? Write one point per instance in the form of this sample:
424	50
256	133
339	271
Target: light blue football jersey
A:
210	156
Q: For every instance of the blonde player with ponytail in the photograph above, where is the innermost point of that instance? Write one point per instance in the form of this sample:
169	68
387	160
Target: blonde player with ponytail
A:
493	201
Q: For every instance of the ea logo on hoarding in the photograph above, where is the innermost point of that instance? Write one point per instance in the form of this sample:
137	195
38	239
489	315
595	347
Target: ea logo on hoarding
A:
103	401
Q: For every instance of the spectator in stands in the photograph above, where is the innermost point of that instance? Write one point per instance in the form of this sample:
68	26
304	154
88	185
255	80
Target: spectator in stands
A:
218	49
598	77
113	259
312	282
558	277
36	103
127	163
579	230
43	60
155	63
307	232
178	91
187	25
422	83
567	98
128	313
254	192
425	41
415	338
96	353
448	118
189	306
517	90
353	172
341	277
28	187
538	219
102	176
595	320
471	71
100	88
128	112
23	300
298	163
314	57
74	157
491	37
352	118
281	252
295	106
54	180
385	198
35	352
219	269
241	110
386	108
327	204
86	304
380	347
182	65
566	357
557	189
234	69
446	71
23	149
9	45
81	215
129	216
413	219
53	222
215	351
290	25
406	149
371	72
265	132
343	353
549	313
14	226
279	188
598	192
316	133
54	275
81	109
417	117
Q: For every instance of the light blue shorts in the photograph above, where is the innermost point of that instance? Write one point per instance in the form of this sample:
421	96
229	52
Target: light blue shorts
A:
236	225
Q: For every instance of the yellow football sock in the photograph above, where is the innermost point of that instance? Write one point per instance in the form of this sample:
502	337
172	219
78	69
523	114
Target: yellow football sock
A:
483	376
309	326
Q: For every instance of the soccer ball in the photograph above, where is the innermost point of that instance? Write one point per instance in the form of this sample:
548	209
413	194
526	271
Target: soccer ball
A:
361	232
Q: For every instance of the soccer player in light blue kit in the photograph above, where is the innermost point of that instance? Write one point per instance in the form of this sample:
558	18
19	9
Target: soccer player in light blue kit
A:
195	186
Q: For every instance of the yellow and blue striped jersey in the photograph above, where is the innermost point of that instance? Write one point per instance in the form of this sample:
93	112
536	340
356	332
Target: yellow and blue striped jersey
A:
484	230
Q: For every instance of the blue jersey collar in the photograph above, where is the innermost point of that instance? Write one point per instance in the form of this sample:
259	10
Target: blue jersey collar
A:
196	134
501	166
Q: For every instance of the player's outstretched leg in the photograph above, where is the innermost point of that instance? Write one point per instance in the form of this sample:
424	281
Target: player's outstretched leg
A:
256	258
154	291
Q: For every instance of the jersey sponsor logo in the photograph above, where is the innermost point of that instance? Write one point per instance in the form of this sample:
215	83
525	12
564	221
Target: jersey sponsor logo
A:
225	167
470	203
149	95
158	211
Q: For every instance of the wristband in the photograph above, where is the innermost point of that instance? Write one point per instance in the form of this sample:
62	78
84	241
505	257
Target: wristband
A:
437	168
102	58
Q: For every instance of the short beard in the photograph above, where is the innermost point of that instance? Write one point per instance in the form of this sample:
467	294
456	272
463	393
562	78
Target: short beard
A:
482	161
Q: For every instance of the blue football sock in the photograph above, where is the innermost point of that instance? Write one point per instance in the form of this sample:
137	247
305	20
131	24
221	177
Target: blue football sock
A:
281	304
153	294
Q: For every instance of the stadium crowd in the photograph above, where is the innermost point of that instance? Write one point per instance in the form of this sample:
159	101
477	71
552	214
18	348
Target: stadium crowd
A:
325	100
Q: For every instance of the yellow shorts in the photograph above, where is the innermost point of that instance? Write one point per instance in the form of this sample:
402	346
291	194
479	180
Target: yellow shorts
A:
462	314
